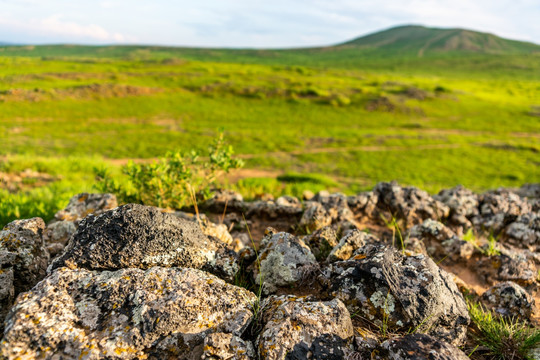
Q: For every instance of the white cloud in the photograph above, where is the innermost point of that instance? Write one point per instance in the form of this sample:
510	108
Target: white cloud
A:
55	26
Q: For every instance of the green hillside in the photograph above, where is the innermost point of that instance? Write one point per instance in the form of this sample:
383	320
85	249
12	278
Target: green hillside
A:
421	41
413	49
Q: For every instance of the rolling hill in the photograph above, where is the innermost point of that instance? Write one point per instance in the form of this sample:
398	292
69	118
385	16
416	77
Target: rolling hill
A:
410	49
419	40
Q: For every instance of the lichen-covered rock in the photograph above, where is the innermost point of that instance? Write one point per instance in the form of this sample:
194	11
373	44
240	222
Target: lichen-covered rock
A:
222	346
409	203
509	265
321	242
21	249
125	314
463	204
349	243
380	283
525	232
282	259
142	237
439	241
66	221
420	347
509	299
297	328
315	217
7	294
23	260
500	208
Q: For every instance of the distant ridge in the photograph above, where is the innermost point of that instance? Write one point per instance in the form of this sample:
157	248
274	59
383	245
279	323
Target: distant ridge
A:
421	40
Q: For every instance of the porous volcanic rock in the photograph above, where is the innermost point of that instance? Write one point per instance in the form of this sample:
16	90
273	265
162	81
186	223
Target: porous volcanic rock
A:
499	208
66	221
223	346
408	203
463	204
509	265
124	314
297	328
23	260
142	237
363	203
509	299
525	232
421	347
381	284
282	259
284	206
439	241
349	243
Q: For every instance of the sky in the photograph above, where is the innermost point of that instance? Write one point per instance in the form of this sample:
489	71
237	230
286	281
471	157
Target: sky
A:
252	23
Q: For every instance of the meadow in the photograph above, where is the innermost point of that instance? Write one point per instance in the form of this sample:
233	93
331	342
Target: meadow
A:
312	122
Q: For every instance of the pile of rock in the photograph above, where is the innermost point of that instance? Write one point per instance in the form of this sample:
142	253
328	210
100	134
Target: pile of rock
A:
134	281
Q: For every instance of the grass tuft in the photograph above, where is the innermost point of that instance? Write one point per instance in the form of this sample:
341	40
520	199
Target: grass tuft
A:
505	339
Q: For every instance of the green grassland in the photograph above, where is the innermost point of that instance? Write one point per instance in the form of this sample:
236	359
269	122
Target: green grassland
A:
355	113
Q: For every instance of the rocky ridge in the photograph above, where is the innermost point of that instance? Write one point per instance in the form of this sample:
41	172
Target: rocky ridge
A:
382	275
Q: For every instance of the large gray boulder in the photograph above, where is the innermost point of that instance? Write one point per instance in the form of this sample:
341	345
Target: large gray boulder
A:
137	236
23	260
399	292
297	328
283	259
124	314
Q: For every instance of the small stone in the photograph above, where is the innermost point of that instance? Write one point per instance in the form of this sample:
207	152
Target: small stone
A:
421	346
222	346
282	258
349	243
510	300
321	242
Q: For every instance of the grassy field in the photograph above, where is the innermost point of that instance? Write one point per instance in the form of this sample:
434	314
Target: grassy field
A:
431	121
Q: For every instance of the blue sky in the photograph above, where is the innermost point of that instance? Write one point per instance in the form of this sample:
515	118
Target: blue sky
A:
252	23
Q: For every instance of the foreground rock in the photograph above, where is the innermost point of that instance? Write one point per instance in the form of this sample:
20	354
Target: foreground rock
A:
125	314
406	292
421	346
66	221
283	261
23	260
296	328
137	236
510	300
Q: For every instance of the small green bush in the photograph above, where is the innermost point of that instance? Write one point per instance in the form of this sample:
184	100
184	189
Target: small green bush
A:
173	181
